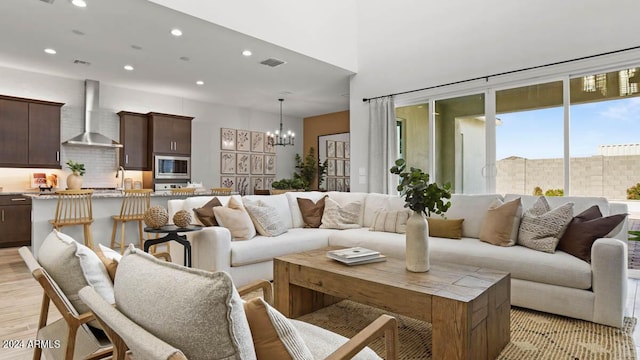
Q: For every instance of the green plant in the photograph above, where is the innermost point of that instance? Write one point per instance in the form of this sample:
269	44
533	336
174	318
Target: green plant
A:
287	184
419	194
633	193
634	235
537	191
307	169
75	167
554	192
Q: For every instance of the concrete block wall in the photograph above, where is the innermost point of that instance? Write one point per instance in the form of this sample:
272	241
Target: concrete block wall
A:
607	176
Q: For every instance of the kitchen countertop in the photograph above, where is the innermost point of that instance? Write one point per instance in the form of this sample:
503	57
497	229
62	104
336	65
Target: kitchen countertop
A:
97	194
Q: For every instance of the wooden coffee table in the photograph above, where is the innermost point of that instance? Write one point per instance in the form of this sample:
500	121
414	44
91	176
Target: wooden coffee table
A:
468	307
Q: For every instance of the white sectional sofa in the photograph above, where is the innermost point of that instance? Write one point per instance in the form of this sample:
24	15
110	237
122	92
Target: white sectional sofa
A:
557	283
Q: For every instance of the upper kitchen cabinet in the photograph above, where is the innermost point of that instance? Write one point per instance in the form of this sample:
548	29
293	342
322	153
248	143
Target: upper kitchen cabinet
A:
170	134
29	133
134	130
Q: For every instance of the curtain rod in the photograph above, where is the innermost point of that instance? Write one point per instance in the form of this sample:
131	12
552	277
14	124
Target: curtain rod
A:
486	77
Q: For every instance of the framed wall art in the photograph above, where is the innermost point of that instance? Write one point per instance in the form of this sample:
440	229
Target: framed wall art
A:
243	163
269	164
257	183
331	167
339	184
243	139
257	164
269	148
331	148
227	139
347	150
242	185
339	167
339	149
267	182
257	141
227	162
228	181
331	184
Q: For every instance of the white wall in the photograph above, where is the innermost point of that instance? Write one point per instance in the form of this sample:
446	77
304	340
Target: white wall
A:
324	30
101	163
411	44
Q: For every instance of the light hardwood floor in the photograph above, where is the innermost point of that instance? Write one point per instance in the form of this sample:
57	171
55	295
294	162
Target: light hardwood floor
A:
20	298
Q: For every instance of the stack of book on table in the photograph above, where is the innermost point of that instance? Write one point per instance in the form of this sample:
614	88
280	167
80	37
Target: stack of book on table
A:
356	256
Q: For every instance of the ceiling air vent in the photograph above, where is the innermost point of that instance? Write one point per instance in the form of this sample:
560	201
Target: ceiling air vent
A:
81	62
272	62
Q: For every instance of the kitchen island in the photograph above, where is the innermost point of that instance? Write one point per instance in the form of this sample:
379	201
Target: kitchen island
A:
105	205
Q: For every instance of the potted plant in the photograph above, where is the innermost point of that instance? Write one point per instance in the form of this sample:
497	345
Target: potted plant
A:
74	180
423	198
307	169
284	185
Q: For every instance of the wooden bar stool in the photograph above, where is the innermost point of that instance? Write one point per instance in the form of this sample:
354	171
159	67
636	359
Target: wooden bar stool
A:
134	204
183	191
221	191
74	208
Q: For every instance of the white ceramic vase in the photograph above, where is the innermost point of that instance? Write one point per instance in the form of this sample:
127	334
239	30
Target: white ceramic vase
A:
74	182
417	243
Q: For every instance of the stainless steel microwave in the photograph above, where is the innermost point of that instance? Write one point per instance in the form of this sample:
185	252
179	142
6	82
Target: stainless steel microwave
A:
172	167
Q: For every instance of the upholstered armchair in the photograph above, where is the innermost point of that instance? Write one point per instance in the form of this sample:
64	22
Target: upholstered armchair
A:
167	311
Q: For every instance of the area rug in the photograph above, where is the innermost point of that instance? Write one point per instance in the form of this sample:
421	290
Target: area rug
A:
534	335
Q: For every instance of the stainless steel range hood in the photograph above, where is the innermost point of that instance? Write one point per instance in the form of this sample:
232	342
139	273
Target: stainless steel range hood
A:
91	103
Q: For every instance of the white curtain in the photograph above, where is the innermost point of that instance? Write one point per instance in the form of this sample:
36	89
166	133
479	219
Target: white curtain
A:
383	146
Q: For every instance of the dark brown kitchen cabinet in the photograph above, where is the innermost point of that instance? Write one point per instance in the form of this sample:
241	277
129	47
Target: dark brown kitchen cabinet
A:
29	133
15	221
170	134
134	129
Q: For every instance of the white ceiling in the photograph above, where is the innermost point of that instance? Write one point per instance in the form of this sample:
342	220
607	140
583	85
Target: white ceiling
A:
110	27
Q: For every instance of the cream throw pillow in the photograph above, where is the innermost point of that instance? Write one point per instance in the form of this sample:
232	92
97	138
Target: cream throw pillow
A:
394	221
265	218
542	227
235	218
500	225
340	217
74	266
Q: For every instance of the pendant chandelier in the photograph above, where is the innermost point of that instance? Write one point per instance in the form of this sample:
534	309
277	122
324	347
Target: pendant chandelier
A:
279	138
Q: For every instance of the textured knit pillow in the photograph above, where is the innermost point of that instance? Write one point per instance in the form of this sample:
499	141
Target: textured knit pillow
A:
109	258
500	225
205	213
311	212
274	337
541	226
394	221
196	311
265	218
340	217
74	266
584	229
445	228
235	218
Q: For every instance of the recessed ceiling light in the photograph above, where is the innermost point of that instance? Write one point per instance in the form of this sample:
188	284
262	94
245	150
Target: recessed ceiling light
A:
79	3
200	82
50	51
176	32
128	67
136	47
247	53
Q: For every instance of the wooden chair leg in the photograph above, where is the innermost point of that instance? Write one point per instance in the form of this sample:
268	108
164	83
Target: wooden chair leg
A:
113	234
123	229
88	237
141	234
42	321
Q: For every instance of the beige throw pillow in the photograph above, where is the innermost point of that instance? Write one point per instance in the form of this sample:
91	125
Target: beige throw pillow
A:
109	258
391	221
340	217
197	311
265	218
542	227
274	337
500	225
235	218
